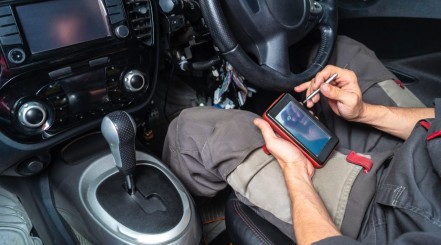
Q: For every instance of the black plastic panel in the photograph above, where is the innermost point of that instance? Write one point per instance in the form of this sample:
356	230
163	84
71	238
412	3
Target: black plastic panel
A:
154	208
390	8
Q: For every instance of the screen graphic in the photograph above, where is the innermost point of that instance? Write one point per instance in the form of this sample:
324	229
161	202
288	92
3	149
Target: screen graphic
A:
303	128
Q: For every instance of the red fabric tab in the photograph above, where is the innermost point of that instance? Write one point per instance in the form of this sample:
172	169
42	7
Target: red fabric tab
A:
356	159
400	83
434	135
425	124
266	150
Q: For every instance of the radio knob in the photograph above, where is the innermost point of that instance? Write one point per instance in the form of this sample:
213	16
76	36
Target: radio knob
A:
134	81
32	114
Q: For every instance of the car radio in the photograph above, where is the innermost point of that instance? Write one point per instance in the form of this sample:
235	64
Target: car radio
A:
66	62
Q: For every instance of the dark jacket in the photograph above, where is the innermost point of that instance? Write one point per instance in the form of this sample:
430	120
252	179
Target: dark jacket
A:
406	208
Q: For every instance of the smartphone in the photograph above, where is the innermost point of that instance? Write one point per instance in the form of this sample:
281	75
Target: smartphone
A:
294	123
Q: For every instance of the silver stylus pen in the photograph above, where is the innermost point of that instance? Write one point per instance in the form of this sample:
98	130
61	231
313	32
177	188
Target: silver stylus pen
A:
330	79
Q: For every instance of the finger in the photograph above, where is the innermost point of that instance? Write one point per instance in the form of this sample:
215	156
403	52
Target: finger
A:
302	87
265	128
321	76
332	92
326	73
311	102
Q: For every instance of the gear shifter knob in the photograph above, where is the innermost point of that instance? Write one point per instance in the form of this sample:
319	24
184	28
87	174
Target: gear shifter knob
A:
119	129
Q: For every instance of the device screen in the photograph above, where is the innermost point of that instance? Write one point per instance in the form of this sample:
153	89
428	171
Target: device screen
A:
303	128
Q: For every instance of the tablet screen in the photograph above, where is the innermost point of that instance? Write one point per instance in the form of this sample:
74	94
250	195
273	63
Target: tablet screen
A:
303	128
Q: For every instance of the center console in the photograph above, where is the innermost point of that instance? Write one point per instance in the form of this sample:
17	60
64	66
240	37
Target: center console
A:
125	197
66	63
90	195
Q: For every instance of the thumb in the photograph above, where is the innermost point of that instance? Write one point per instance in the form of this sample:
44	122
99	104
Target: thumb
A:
331	92
265	128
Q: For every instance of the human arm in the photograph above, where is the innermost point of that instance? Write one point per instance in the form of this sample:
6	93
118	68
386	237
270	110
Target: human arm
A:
311	220
345	99
396	121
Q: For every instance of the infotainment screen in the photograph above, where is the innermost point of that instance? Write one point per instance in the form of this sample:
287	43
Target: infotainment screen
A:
50	25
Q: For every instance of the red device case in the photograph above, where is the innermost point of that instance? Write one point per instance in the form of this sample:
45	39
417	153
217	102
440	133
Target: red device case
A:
282	134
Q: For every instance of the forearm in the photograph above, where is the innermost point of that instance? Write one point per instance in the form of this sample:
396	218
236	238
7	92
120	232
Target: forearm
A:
311	220
396	121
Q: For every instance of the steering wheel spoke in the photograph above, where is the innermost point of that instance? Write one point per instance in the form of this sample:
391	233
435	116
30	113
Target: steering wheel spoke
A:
274	54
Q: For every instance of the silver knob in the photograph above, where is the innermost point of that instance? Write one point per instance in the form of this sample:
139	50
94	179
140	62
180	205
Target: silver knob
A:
134	81
122	31
32	114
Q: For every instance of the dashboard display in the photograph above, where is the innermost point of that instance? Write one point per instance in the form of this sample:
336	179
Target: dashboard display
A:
55	24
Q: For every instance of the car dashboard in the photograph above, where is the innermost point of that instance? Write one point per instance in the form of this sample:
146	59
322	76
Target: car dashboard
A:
65	65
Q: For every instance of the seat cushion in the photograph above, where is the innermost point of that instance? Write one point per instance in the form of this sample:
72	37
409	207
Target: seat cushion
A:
245	226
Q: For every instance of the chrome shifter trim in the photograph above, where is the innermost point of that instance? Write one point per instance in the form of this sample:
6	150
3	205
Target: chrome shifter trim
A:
187	230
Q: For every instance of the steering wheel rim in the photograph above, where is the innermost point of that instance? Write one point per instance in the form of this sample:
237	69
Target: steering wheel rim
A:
260	75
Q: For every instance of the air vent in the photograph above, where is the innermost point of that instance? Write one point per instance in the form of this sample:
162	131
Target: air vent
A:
141	20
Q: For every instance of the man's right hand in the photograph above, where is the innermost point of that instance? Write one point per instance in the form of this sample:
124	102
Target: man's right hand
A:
344	94
345	99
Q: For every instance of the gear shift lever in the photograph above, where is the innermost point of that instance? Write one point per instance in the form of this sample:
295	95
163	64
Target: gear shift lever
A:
119	129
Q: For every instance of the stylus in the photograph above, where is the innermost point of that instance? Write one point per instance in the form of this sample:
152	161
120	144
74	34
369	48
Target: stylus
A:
330	79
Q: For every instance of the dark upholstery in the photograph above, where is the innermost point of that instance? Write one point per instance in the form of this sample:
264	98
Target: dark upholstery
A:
244	226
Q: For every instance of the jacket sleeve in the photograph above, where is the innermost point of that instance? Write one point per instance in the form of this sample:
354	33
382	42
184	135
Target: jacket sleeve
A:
337	240
411	238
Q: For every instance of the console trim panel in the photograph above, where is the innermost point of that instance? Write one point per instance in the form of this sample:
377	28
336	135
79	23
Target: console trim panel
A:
186	230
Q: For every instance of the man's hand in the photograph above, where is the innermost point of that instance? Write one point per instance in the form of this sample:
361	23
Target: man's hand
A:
344	94
345	99
291	160
311	220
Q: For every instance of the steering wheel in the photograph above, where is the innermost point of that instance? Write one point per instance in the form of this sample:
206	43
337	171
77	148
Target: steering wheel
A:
269	28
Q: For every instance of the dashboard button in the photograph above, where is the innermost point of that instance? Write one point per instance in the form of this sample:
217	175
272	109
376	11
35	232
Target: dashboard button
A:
16	55
6	10
122	31
11	40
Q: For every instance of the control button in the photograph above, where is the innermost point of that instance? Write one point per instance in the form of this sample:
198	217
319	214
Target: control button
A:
99	61
8	30
16	55
115	18
59	100
7	20
112	2
31	166
60	72
11	40
137	81
6	10
122	31
61	112
32	114
113	71
316	8
168	6
134	81
53	89
112	84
